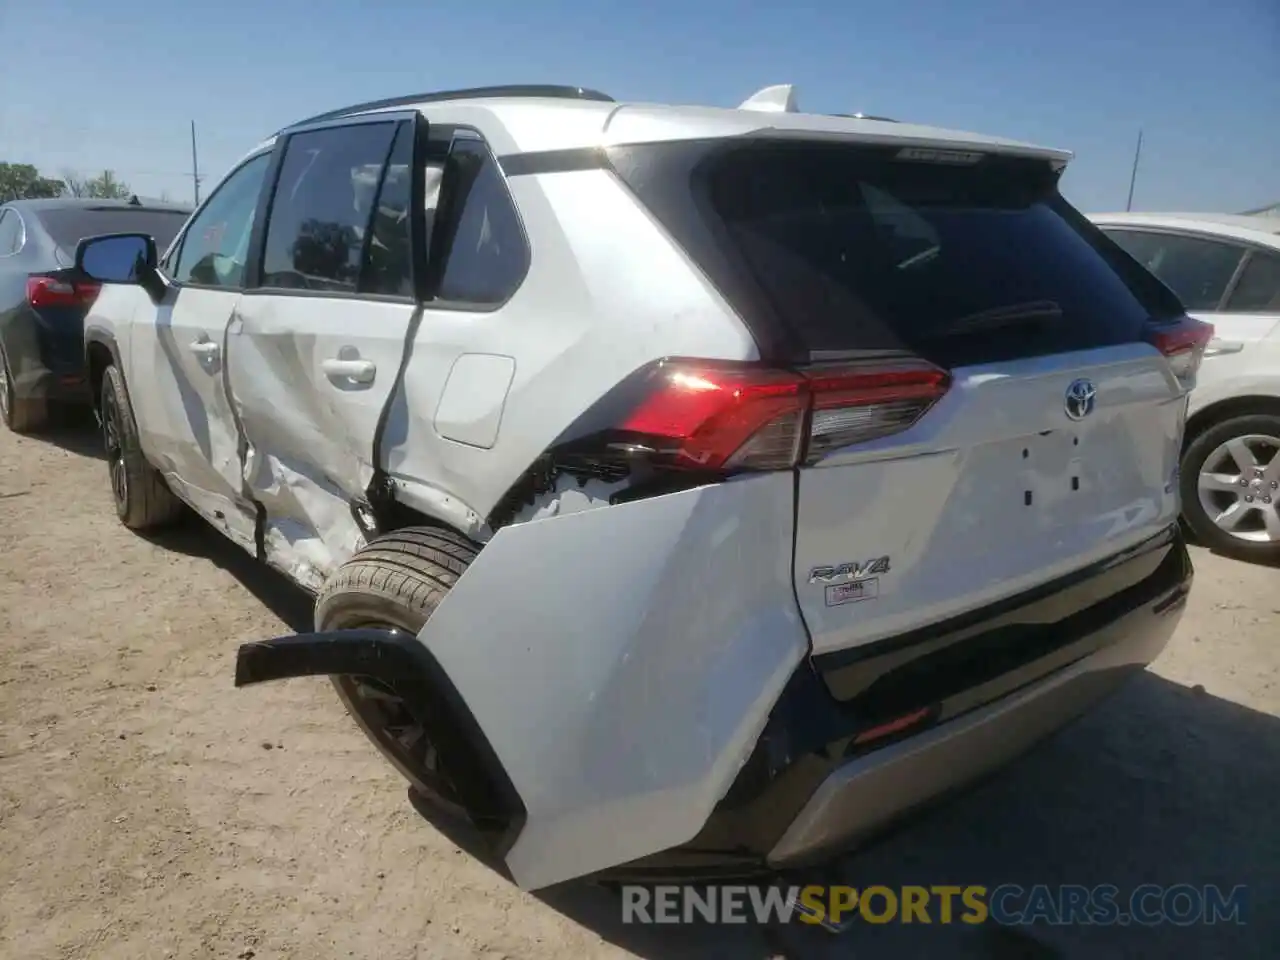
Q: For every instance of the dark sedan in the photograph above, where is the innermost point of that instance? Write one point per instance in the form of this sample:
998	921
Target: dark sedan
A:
43	302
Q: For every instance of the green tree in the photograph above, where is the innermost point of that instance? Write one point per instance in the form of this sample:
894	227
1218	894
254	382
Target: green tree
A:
105	186
22	181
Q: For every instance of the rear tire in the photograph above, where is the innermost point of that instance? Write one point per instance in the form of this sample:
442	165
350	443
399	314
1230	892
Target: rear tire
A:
396	582
1205	501
20	415
143	500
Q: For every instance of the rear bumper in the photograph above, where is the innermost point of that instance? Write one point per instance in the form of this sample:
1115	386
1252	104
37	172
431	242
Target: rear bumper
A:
46	384
47	360
866	794
676	728
966	698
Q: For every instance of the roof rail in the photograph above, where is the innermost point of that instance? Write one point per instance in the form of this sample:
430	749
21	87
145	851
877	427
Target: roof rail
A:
547	90
864	116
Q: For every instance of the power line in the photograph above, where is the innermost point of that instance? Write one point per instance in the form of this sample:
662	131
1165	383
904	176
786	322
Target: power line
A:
195	166
1133	177
122	171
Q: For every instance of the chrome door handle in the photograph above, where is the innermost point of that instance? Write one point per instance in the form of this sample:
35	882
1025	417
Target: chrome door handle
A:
359	371
204	349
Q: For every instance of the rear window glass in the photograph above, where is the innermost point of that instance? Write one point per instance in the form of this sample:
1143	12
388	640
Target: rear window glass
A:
69	226
854	249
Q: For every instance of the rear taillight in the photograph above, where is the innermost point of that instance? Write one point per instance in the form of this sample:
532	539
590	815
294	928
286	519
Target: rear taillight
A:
1183	343
719	417
43	291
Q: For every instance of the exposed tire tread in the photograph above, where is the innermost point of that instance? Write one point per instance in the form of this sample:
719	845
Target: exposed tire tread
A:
151	503
413	567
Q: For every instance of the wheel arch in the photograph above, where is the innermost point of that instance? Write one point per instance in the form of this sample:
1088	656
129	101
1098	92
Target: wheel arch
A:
100	351
1225	409
397	504
409	665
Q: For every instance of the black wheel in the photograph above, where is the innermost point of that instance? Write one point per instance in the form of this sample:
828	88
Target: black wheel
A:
1230	487
143	500
20	415
395	583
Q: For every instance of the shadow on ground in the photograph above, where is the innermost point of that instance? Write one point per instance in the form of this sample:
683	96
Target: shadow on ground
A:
1162	784
74	430
274	591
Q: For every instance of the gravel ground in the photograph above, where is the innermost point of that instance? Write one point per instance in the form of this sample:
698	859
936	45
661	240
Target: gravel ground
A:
149	809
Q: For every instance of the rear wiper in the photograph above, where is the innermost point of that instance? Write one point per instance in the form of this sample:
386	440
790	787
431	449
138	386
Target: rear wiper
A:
1030	313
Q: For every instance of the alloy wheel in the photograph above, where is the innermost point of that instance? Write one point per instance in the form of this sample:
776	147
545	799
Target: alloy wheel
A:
386	716
1239	488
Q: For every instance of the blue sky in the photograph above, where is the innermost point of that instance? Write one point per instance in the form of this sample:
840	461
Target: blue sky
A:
96	85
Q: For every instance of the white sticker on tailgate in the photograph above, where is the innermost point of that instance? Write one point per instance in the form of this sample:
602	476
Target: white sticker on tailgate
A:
853	592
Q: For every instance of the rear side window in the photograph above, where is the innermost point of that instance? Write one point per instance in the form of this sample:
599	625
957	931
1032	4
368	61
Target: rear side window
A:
323	205
10	232
1197	270
1258	290
961	263
69	226
483	248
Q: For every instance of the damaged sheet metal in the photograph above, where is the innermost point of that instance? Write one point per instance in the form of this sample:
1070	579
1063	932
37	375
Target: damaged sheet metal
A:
622	721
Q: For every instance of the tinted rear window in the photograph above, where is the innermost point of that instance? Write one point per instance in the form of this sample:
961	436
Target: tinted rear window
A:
853	249
69	226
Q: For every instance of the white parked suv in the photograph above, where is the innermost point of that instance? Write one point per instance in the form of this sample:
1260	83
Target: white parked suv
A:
1226	270
685	491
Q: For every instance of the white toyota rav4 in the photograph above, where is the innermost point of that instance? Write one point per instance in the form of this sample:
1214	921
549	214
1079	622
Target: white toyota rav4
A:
685	491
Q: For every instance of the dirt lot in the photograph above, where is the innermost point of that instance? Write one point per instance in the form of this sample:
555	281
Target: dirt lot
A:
148	809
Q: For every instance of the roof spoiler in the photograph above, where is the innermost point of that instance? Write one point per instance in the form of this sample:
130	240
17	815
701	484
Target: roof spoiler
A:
780	98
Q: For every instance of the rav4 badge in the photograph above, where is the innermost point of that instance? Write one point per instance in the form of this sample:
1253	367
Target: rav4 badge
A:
848	572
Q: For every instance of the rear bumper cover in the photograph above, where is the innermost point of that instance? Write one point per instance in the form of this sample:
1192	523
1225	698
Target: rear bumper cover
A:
973	692
820	770
869	792
47	361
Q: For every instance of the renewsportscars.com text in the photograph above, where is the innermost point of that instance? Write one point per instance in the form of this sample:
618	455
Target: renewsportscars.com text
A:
1008	904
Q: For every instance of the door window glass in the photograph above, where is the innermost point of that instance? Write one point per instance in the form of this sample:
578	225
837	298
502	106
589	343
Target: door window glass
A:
215	245
388	267
323	205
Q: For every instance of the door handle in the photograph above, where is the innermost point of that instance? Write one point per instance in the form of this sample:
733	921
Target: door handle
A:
1218	347
359	371
204	349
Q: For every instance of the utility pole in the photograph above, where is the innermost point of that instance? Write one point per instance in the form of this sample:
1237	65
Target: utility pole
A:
1133	177
195	166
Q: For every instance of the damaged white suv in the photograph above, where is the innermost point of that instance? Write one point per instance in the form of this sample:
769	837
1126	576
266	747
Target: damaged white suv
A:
685	490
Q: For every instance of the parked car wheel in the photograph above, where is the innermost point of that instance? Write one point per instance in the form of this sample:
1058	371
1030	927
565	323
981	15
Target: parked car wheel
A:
395	583
20	415
143	500
1231	486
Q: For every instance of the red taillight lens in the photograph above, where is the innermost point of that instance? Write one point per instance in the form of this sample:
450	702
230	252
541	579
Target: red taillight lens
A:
60	292
698	416
1183	343
720	417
